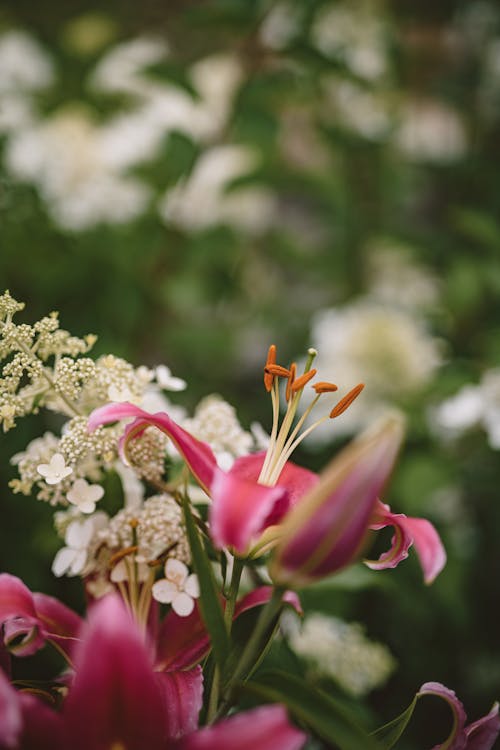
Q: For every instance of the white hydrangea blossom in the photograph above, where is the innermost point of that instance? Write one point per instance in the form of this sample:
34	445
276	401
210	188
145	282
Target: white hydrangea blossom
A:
204	199
56	470
77	557
341	650
385	347
216	423
24	64
353	34
85	495
471	406
431	131
178	588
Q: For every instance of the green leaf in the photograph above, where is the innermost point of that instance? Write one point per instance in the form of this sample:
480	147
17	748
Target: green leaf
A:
390	733
210	605
326	717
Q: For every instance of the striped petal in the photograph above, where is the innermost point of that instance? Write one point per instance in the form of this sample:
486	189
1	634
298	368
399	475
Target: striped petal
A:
198	455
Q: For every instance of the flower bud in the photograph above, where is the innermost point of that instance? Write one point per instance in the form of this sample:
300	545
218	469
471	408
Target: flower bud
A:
325	531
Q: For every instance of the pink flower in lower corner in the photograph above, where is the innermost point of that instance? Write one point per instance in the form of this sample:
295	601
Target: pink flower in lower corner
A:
480	735
117	699
243	508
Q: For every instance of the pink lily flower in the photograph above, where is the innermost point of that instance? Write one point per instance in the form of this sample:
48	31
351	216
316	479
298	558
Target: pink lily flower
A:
31	619
243	508
117	700
177	643
480	735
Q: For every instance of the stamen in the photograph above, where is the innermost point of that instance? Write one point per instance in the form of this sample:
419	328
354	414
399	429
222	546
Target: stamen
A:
278	370
291	379
121	554
298	384
271	360
345	402
324	387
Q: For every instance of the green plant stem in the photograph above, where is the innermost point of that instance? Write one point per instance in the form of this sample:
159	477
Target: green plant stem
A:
252	648
233	593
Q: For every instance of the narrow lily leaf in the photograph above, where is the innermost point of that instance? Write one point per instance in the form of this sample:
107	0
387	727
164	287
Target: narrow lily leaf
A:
389	733
210	607
324	715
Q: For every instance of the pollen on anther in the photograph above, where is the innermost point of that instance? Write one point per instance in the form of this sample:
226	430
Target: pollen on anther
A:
303	380
271	360
324	387
345	402
277	370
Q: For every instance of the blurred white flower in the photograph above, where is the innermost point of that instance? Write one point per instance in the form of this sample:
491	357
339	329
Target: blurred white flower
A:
341	650
65	158
120	394
384	347
56	470
205	198
167	381
430	131
133	488
24	64
216	423
362	111
121	69
280	24
470	407
84	495
354	34
178	588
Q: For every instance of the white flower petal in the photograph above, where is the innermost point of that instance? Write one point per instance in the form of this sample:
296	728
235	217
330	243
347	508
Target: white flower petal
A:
63	561
86	506
176	571
192	586
164	591
78	564
183	605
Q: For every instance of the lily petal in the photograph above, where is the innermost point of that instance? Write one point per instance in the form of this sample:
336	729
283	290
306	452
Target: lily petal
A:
23	630
198	455
295	479
480	735
11	722
115	697
408	531
240	509
267	728
62	625
327	528
183	699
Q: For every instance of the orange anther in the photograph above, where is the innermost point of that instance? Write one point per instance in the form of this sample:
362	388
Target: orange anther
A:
303	380
324	387
345	402
271	360
282	372
291	379
121	554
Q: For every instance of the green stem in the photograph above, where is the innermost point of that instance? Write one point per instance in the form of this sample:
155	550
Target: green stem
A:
253	646
233	593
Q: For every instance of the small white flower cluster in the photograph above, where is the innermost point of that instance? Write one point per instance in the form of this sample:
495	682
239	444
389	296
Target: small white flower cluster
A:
473	406
157	527
341	650
215	422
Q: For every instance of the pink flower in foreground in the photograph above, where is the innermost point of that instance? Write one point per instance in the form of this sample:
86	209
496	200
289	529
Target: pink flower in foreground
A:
260	490
480	735
117	700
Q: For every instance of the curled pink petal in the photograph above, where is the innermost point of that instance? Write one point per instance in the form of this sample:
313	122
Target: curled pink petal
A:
198	455
480	735
240	510
295	479
183	699
62	625
265	728
23	630
408	531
